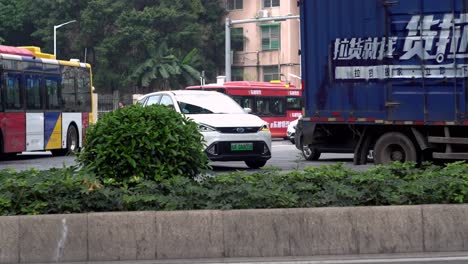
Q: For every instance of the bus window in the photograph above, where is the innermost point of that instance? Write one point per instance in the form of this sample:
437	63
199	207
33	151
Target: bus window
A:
52	92
270	106
262	106
33	92
244	101
277	106
83	96
293	103
238	100
68	94
13	92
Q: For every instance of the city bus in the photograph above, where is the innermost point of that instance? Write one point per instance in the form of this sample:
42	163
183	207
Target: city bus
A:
45	103
277	103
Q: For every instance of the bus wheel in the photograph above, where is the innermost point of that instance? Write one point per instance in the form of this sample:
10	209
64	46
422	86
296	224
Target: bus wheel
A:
394	146
72	140
72	143
255	164
310	153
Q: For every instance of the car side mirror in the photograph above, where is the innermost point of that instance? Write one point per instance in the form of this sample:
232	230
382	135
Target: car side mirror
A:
247	110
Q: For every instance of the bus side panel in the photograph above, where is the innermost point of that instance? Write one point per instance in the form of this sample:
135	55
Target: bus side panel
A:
85	122
14	132
69	119
279	125
34	131
53	130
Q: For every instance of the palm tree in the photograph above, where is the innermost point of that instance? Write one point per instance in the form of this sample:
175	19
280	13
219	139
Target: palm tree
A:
165	71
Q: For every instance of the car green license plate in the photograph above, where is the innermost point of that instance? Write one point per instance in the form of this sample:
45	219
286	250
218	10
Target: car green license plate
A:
241	146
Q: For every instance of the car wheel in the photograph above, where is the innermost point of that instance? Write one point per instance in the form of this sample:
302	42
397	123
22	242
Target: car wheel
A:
394	146
292	139
310	153
255	164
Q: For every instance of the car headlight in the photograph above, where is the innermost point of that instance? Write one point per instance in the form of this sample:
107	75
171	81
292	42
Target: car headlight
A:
205	128
264	128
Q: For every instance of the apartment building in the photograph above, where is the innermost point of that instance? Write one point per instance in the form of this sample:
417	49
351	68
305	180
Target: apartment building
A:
264	51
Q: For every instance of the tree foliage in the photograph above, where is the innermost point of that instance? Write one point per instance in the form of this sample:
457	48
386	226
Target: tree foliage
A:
122	39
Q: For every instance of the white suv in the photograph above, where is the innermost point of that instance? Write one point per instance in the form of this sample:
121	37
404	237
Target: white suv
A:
230	134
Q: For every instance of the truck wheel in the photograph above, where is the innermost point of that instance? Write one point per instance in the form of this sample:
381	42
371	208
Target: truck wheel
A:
72	143
255	164
310	153
394	146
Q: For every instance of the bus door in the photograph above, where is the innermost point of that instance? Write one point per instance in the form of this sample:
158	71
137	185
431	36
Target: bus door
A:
52	116
13	118
34	113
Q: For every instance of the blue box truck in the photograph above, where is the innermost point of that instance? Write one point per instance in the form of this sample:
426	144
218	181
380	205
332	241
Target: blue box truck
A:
387	77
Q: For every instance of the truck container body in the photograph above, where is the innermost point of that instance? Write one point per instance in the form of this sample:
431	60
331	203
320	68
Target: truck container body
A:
377	73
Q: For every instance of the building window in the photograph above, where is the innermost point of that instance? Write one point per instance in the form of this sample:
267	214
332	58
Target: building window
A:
234	4
237	74
270	73
237	39
270	36
271	3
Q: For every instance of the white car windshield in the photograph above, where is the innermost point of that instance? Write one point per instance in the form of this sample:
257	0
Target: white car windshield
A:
208	104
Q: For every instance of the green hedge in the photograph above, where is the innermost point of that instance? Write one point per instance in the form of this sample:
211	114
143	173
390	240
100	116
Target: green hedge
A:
70	190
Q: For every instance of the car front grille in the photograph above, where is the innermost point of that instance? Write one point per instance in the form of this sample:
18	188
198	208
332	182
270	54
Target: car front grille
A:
238	130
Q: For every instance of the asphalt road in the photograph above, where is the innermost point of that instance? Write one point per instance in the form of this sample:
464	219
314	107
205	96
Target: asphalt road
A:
284	156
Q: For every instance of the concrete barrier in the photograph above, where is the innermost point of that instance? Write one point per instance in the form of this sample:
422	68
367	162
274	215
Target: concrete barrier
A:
121	236
9	239
189	234
445	227
233	234
256	233
52	238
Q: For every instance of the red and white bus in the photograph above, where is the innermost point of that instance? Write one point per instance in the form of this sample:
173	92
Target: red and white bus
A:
45	104
275	102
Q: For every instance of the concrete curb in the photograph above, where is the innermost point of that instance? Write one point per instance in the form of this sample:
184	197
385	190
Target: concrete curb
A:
269	233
